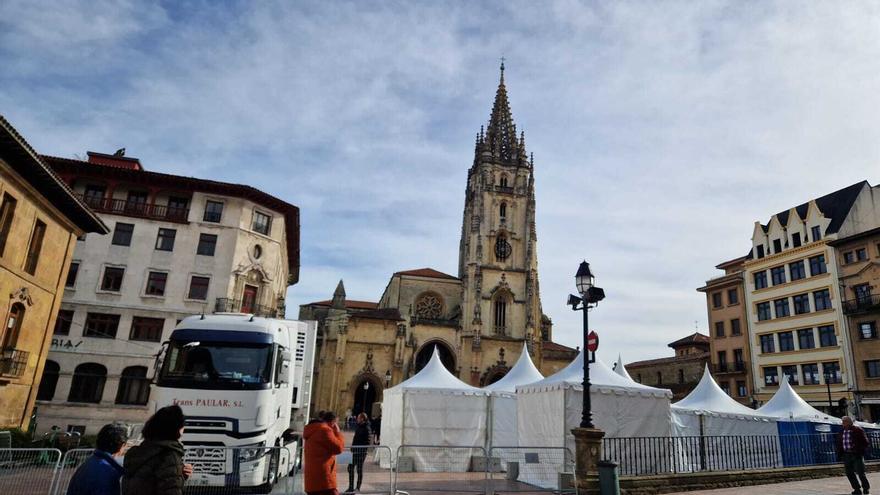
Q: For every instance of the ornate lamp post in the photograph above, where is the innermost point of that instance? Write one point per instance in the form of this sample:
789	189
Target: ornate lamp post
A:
588	439
590	295
366	388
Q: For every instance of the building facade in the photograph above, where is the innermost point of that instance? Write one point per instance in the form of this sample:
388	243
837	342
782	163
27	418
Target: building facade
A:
797	328
477	319
179	246
858	266
728	337
40	219
679	373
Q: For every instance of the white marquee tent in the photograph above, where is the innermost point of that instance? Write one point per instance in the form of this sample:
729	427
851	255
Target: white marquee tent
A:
502	410
435	408
549	409
708	411
786	404
621	370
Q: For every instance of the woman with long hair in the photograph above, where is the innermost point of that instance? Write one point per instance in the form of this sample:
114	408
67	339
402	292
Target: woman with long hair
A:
155	467
359	445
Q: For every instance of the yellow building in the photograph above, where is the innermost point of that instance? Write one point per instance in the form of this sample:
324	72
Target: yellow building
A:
40	219
478	319
797	328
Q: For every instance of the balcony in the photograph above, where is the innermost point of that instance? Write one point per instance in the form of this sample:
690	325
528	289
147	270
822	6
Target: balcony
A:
504	189
227	305
864	304
13	362
135	209
737	367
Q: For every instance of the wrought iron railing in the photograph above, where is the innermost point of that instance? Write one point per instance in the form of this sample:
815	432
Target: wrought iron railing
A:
691	454
504	189
862	304
136	209
228	305
13	362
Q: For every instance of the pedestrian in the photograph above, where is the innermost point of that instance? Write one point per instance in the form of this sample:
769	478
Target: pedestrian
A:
851	446
155	467
100	473
377	428
359	445
323	443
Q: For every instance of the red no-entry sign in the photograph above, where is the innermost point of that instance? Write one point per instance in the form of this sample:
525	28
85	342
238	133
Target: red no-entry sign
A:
592	341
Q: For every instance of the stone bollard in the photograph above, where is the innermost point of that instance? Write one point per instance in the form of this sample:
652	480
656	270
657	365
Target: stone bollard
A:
588	448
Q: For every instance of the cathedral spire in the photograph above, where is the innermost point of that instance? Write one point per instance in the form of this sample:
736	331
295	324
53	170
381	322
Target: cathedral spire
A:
501	139
338	301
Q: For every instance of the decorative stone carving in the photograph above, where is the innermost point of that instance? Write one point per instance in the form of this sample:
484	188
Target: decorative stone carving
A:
429	306
22	295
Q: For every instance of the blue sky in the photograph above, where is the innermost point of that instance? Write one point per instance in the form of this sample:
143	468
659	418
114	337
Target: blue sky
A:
661	130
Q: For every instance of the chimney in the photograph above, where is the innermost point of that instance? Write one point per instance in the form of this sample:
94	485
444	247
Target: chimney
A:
117	160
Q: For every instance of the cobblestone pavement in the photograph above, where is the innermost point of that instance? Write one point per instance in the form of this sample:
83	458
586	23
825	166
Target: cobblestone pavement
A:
825	486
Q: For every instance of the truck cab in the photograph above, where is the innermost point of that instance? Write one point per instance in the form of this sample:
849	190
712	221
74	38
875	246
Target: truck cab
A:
231	374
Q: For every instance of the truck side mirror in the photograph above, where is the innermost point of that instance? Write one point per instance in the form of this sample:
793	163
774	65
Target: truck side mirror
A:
159	359
284	369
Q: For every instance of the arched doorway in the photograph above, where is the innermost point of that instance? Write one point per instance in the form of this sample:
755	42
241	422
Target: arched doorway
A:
446	356
494	375
365	394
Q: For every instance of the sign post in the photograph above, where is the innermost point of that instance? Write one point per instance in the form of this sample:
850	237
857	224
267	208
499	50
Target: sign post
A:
592	345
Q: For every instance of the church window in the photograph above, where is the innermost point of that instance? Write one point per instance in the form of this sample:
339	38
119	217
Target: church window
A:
502	248
501	316
503	181
429	306
502	211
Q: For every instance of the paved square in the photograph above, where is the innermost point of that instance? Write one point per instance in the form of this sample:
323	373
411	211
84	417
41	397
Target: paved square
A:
825	486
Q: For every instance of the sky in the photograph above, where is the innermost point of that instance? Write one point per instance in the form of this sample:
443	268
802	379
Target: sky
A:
661	130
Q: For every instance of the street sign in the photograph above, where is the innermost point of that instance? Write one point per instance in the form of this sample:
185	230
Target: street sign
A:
592	341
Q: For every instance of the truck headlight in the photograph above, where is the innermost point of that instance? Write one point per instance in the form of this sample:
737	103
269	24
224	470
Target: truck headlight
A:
252	452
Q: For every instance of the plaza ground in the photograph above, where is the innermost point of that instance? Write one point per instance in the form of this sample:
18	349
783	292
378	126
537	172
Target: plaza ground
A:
824	486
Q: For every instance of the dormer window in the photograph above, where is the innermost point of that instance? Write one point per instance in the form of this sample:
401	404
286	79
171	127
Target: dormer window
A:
796	239
759	251
815	233
777	245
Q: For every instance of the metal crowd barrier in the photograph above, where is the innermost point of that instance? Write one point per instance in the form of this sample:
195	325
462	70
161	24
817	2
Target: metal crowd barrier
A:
429	468
531	470
28	471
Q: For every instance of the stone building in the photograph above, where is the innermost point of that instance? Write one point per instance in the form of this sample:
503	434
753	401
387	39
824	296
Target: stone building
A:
40	219
796	324
728	339
858	268
180	246
679	373
478	319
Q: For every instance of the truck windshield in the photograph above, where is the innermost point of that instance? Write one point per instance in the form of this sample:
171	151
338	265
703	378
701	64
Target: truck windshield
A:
216	365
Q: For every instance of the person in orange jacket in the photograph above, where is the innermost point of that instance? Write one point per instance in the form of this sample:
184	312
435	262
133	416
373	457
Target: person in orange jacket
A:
323	442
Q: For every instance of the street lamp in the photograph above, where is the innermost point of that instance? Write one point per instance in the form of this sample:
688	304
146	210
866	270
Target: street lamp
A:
590	295
387	378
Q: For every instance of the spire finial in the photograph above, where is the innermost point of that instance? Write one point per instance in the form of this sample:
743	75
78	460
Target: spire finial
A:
502	67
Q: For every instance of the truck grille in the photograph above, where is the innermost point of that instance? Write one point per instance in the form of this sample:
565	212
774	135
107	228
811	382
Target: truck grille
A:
208	460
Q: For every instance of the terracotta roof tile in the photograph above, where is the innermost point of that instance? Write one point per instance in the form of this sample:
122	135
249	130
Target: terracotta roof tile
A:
426	272
674	359
553	346
694	338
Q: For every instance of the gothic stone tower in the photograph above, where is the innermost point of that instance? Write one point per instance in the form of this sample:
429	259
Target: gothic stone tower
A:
498	262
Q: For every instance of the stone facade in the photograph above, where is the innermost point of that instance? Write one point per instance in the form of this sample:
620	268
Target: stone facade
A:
40	220
679	373
216	247
728	337
478	320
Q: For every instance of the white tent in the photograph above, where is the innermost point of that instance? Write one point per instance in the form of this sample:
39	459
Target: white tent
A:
434	408
786	404
549	409
621	370
708	411
502	409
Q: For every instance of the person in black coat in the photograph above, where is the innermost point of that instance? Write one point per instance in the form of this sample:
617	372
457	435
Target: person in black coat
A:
359	445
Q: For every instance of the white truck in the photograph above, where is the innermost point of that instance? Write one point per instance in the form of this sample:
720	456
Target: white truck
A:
233	376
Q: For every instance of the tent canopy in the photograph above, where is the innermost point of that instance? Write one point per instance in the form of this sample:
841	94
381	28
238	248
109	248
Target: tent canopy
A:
787	404
601	378
620	369
435	377
707	397
522	373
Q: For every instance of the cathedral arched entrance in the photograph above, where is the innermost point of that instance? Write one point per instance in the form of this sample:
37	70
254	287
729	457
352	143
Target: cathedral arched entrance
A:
367	392
447	357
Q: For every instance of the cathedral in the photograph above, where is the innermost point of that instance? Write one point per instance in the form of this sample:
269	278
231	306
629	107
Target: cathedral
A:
478	320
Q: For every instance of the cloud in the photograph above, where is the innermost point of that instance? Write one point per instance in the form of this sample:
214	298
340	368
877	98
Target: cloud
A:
661	131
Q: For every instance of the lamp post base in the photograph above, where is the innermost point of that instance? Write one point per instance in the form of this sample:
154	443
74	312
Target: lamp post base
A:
588	446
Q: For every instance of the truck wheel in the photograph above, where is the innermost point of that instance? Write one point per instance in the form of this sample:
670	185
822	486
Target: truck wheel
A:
272	477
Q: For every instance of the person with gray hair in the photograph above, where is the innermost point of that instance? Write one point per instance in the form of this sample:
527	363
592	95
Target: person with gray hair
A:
852	443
